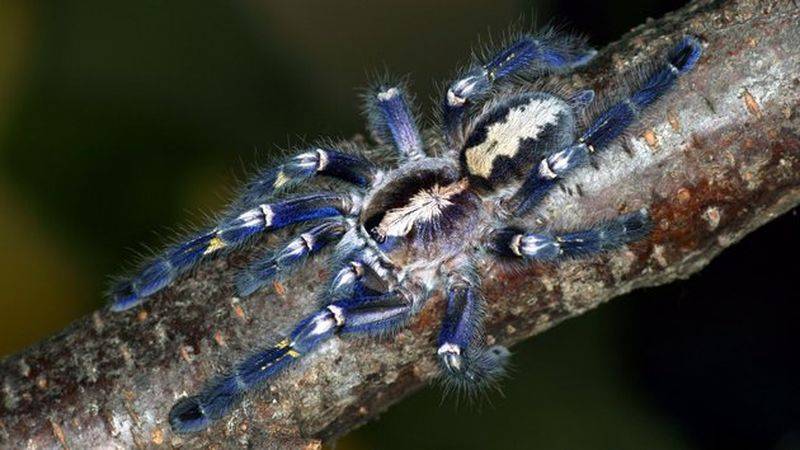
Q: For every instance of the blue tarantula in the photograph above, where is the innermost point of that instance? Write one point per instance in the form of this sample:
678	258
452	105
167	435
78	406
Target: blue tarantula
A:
402	233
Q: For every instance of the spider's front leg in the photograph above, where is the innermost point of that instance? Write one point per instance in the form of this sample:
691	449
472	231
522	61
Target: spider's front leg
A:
540	54
325	162
228	235
608	126
391	119
293	253
369	315
465	361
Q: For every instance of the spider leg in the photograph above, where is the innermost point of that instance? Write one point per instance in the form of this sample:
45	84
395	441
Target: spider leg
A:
361	268
229	234
462	355
328	162
366	315
347	277
298	249
548	52
581	100
603	236
609	125
391	120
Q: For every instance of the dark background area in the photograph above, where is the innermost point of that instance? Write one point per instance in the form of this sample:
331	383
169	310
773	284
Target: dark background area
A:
121	119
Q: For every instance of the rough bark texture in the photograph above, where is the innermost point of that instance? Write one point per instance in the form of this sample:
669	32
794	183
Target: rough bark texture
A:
727	146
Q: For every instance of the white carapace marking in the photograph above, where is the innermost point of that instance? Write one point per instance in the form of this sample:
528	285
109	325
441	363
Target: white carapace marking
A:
424	206
525	121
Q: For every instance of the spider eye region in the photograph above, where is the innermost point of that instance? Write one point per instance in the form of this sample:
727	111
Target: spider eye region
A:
425	208
512	135
419	205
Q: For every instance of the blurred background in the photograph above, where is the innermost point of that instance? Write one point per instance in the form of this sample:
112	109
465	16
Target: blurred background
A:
121	120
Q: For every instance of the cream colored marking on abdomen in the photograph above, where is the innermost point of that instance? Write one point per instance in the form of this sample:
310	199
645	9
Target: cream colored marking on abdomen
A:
525	121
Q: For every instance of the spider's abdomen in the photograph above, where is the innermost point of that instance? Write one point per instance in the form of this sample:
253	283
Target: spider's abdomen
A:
511	136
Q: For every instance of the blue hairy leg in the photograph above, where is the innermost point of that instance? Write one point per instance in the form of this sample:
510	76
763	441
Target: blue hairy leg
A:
581	100
327	162
609	125
366	315
360	267
544	53
601	237
464	359
229	234
348	276
297	250
391	120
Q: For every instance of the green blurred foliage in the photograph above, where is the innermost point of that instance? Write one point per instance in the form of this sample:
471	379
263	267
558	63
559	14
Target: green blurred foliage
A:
117	120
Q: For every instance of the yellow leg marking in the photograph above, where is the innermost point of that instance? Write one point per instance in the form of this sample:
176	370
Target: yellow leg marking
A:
291	352
280	180
215	244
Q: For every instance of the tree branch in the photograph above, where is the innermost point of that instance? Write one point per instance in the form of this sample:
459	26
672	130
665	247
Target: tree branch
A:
716	159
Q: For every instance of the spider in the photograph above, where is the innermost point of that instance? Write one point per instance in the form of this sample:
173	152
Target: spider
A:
422	226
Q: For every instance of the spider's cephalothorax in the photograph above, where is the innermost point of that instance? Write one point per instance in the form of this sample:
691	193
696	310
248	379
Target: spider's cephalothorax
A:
404	232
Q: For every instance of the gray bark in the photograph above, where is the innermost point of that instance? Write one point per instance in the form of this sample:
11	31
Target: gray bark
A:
724	158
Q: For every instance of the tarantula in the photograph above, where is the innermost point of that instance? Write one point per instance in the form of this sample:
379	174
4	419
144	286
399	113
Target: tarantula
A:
404	232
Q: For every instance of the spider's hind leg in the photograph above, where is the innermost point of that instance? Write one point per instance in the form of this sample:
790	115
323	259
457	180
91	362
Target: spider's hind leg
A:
543	53
600	237
608	126
295	251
